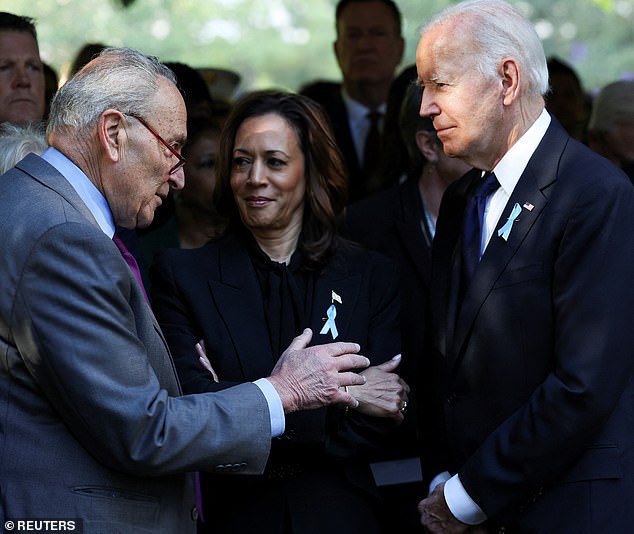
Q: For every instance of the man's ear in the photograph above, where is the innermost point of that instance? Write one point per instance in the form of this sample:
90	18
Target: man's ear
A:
111	133
510	73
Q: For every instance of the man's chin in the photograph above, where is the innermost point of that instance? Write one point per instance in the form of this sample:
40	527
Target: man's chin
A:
22	114
144	222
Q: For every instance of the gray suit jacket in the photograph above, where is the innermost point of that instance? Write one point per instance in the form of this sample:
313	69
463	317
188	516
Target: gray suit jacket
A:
92	422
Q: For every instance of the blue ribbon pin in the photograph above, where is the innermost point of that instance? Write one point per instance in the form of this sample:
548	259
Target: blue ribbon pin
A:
505	231
330	325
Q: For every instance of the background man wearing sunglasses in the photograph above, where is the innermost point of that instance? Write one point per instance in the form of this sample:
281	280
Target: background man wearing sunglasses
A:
92	424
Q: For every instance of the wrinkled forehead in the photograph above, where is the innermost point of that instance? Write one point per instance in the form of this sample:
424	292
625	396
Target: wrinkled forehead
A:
23	43
169	107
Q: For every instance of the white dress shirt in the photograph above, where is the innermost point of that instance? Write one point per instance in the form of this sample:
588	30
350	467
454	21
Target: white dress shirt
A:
98	206
360	122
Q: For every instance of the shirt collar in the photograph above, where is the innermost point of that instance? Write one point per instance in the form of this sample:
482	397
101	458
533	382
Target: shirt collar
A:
512	165
90	195
357	112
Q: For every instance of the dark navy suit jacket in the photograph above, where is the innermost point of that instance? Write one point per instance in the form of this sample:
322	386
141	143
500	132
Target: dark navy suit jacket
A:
538	394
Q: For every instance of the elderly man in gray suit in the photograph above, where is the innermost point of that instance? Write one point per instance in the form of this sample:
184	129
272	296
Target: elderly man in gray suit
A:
93	426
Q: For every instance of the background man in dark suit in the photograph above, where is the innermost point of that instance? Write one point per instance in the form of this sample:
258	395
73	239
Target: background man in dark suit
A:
400	222
93	426
537	387
22	76
369	47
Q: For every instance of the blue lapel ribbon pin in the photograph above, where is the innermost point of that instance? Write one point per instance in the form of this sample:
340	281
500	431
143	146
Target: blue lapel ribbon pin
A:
331	312
505	231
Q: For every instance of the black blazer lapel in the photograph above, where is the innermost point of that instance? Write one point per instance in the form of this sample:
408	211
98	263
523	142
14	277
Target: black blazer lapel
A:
416	242
238	300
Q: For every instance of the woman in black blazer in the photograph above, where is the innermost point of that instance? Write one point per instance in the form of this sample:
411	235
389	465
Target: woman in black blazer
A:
279	269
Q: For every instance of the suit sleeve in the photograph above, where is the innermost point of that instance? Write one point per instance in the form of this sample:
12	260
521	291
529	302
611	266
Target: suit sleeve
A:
78	322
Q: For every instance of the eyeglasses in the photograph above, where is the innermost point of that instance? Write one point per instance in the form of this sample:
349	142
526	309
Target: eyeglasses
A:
181	159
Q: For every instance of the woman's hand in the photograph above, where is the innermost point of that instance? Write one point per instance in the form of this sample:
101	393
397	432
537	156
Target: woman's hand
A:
204	361
384	393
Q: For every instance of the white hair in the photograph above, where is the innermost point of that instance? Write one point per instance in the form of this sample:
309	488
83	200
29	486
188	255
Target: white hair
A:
118	78
615	102
18	140
499	31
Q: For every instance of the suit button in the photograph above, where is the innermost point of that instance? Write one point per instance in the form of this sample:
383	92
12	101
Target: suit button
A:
451	399
194	513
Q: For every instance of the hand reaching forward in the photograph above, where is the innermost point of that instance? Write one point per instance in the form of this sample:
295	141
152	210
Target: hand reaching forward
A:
307	378
384	394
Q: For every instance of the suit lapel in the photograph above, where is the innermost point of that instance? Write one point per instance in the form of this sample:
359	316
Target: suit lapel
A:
530	194
239	302
338	113
446	260
416	242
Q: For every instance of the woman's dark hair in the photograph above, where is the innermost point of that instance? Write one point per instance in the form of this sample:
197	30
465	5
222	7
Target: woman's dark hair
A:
326	181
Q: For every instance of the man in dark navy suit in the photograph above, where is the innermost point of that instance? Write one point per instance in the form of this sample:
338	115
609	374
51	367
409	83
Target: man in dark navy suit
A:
536	340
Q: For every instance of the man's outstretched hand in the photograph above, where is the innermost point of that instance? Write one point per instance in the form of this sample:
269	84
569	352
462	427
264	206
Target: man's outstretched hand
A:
311	377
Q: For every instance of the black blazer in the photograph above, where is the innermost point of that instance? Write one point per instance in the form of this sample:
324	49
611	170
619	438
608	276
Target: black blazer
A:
538	396
213	293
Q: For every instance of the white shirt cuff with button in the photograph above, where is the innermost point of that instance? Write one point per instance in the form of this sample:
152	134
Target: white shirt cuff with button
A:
276	410
463	507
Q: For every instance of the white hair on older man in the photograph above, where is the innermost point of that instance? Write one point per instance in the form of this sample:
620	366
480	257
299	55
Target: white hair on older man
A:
18	140
118	78
501	31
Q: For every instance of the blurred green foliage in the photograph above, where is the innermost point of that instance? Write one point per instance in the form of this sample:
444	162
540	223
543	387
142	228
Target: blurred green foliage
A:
286	43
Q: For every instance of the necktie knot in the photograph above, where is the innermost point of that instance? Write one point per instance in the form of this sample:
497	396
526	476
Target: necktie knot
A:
488	184
373	117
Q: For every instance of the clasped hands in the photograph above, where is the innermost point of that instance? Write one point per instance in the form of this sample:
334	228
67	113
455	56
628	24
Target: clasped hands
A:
322	375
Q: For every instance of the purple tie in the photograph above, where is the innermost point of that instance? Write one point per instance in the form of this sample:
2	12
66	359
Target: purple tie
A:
129	259
134	267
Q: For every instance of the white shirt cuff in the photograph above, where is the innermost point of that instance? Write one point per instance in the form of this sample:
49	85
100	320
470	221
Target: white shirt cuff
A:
276	410
439	479
463	507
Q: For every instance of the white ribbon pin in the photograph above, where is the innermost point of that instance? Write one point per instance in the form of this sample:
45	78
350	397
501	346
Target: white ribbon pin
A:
330	325
505	231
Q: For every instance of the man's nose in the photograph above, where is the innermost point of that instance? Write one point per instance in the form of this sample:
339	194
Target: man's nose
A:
21	77
177	180
428	108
